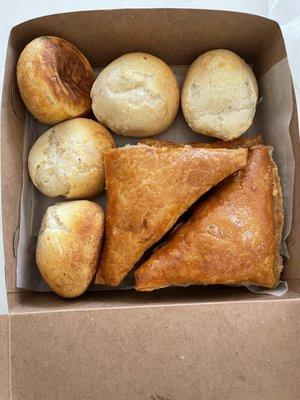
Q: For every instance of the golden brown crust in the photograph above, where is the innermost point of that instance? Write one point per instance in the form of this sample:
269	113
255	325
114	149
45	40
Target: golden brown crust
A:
245	142
232	238
68	246
278	211
148	189
54	80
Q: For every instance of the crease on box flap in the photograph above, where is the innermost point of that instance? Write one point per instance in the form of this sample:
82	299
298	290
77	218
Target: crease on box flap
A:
272	121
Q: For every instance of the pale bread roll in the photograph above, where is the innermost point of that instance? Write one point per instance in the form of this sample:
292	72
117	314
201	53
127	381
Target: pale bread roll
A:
67	160
219	95
136	95
54	79
69	244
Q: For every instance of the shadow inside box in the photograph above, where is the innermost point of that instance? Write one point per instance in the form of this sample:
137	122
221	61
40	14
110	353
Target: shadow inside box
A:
171	296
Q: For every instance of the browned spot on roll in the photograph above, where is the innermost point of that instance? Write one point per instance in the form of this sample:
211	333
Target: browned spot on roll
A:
67	71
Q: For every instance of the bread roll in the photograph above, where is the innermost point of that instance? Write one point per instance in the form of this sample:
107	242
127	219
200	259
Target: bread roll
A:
136	95
68	246
54	80
67	160
219	95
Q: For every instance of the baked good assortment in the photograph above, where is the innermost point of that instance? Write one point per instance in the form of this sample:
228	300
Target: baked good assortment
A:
67	160
219	95
136	95
68	246
177	213
232	238
54	79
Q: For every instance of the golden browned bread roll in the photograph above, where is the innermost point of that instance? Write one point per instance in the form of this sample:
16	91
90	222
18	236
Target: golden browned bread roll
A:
136	95
219	95
68	246
67	160
54	80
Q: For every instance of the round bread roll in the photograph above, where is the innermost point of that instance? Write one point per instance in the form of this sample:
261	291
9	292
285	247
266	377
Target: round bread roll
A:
136	95
67	160
68	246
54	80
219	95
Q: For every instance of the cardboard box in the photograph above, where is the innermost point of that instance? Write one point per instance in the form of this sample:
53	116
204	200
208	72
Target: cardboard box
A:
195	343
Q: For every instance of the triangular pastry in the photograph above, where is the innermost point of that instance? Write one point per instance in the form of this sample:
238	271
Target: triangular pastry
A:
148	189
232	238
245	142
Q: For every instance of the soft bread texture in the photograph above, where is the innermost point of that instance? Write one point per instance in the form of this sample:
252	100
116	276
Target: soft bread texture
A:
148	189
136	95
67	160
243	142
68	246
219	95
232	238
54	79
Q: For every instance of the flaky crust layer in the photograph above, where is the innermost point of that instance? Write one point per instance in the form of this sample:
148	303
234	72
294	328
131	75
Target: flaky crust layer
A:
232	238
148	189
244	142
69	244
54	79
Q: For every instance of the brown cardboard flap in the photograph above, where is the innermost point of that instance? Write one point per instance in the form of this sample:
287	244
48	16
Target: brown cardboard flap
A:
177	36
234	351
4	357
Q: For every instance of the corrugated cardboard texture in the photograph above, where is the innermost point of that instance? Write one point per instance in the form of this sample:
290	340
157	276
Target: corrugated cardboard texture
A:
232	351
4	357
178	36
